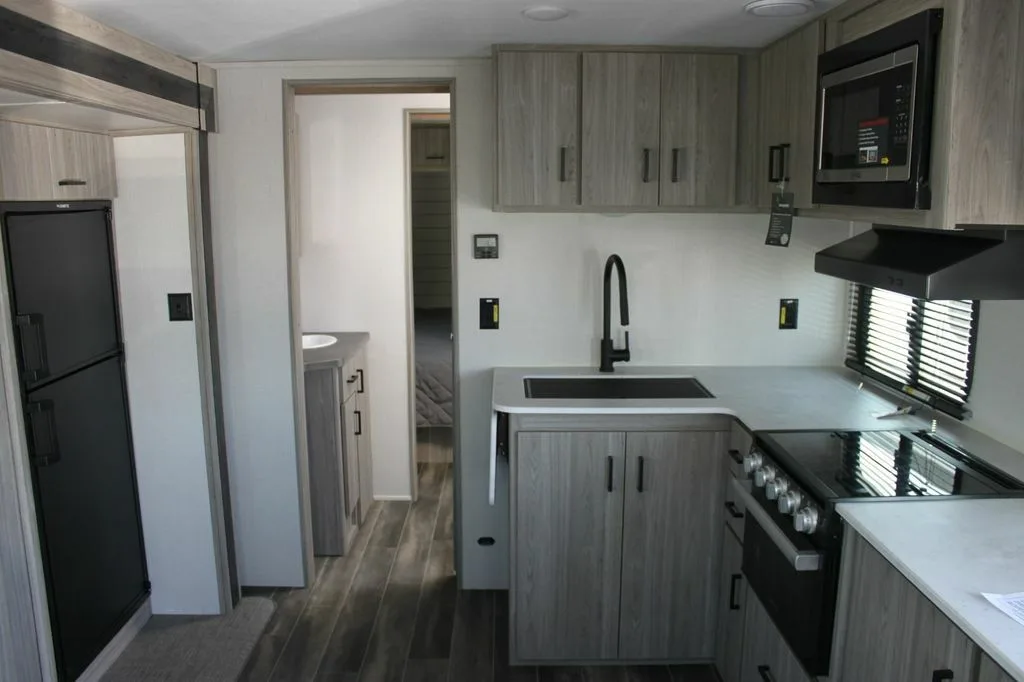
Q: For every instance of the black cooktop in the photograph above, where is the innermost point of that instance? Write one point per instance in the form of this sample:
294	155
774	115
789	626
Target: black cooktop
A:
882	464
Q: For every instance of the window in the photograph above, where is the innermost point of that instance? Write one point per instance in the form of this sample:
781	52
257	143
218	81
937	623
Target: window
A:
923	348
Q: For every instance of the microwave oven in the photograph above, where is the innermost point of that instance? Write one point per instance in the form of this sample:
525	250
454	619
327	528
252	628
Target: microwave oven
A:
875	102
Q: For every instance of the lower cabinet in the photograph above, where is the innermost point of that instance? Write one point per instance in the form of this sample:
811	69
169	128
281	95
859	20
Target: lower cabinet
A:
732	600
989	671
766	656
892	631
616	542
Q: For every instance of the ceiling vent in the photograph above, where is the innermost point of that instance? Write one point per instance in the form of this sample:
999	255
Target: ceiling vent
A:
779	8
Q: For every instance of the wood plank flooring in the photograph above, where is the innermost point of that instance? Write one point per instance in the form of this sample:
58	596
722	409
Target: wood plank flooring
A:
391	612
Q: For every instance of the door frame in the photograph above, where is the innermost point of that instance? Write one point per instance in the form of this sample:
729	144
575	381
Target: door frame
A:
359	86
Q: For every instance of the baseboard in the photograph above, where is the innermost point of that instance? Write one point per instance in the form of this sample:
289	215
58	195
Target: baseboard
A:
393	498
99	667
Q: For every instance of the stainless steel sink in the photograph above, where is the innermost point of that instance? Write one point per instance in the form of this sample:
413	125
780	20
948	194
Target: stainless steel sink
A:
615	388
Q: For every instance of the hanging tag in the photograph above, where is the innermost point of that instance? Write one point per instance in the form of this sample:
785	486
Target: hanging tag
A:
780	224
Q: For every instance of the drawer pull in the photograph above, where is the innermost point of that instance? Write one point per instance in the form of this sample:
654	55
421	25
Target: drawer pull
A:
72	183
733	510
736	577
611	473
359	423
646	175
736	456
766	673
362	381
943	675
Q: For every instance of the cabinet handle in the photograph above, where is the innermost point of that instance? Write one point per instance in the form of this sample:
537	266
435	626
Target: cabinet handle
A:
942	675
70	182
736	577
736	456
611	469
677	157
32	345
563	158
766	673
359	423
733	510
435	157
784	152
362	387
42	433
647	165
640	474
774	152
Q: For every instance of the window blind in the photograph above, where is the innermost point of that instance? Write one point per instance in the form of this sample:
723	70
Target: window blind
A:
923	348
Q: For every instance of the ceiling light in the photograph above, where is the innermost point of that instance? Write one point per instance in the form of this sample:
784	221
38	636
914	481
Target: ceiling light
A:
779	8
546	13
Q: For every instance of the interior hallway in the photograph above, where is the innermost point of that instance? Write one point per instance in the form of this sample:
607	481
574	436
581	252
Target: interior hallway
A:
390	611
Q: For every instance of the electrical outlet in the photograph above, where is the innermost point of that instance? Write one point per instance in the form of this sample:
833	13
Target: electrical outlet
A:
179	307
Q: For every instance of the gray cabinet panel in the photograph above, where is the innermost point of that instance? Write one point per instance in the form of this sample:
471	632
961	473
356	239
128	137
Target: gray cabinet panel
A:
671	544
892	632
621	129
26	172
699	127
774	116
764	648
567	545
363	441
352	426
324	444
801	80
989	671
732	598
538	129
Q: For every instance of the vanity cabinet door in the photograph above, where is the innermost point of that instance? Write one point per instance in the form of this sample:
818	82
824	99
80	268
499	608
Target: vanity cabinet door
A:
892	631
672	538
567	545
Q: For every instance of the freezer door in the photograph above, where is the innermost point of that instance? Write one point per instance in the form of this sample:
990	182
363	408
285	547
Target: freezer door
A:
63	290
86	496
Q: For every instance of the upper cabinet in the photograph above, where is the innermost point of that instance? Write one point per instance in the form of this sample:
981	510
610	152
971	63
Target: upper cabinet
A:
41	164
538	129
609	130
788	87
699	129
621	129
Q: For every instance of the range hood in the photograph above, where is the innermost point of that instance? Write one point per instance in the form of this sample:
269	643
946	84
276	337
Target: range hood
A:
977	262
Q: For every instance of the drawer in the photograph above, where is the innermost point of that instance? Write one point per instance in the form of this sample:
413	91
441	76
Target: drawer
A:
735	509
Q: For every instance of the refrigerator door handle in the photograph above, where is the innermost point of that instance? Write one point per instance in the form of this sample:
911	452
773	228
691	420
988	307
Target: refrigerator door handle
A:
33	346
42	433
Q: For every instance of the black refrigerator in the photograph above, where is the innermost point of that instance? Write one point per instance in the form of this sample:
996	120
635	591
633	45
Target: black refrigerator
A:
62	283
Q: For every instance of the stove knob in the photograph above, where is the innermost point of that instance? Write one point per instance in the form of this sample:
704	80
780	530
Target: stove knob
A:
776	488
764	475
806	520
751	462
789	503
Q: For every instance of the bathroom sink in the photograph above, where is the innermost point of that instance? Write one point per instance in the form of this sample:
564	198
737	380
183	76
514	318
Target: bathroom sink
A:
311	341
615	388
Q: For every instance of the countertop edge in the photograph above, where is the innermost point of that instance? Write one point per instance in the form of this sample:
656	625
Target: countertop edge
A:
984	643
337	354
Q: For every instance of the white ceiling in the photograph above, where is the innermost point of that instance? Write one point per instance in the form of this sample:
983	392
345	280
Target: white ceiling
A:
254	30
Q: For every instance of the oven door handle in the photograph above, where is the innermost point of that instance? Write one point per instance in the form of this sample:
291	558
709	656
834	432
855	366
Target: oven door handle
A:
802	560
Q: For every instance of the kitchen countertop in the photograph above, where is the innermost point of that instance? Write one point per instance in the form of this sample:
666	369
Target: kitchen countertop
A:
953	550
349	343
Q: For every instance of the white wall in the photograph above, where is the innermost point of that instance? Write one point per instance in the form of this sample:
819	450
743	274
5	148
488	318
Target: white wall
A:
353	262
703	289
151	228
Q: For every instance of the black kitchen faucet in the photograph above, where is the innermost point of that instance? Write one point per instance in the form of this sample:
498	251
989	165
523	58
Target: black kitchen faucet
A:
609	353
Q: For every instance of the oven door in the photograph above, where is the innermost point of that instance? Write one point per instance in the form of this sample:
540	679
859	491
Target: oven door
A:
793	579
866	131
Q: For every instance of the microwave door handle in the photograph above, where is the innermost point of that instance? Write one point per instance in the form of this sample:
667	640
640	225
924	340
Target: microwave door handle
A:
801	560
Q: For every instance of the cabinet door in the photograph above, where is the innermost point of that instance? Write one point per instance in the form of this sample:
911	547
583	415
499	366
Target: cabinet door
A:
324	445
989	671
732	597
892	631
671	544
699	127
83	165
363	441
352	427
26	173
774	118
430	147
621	129
538	129
766	657
801	81
568	545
